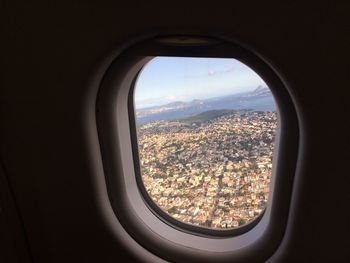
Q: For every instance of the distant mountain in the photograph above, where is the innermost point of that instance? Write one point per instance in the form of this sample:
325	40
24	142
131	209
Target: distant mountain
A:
261	91
170	107
259	99
198	102
173	104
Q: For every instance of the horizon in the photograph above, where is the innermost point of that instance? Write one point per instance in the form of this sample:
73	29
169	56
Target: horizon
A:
195	99
189	79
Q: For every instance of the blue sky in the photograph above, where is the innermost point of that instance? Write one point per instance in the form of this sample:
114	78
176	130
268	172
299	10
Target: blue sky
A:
168	79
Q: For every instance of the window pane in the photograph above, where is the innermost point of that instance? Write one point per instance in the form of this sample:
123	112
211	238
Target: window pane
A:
205	131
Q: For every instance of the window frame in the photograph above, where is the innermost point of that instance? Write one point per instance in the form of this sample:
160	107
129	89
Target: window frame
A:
115	136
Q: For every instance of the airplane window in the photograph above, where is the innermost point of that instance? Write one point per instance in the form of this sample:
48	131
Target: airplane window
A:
205	132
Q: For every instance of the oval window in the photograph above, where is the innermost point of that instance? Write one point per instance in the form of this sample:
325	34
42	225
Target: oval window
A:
205	131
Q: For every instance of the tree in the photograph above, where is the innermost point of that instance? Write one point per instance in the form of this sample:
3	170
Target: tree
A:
241	221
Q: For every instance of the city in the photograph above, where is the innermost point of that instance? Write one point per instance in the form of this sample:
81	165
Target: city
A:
209	172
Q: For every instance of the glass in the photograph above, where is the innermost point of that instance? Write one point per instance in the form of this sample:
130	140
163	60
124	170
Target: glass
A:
205	132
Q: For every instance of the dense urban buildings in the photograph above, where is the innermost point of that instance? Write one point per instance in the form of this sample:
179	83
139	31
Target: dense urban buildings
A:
212	170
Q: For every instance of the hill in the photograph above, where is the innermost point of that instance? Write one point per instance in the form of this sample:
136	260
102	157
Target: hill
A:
207	116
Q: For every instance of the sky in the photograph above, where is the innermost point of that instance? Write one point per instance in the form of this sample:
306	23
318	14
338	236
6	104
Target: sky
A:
168	79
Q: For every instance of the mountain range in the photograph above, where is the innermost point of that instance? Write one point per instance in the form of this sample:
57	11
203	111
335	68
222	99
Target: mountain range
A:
260	99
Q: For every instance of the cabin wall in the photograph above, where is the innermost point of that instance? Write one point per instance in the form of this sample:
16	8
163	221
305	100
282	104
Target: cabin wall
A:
52	56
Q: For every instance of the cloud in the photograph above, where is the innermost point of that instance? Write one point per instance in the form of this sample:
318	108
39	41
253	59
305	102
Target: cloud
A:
171	97
220	72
